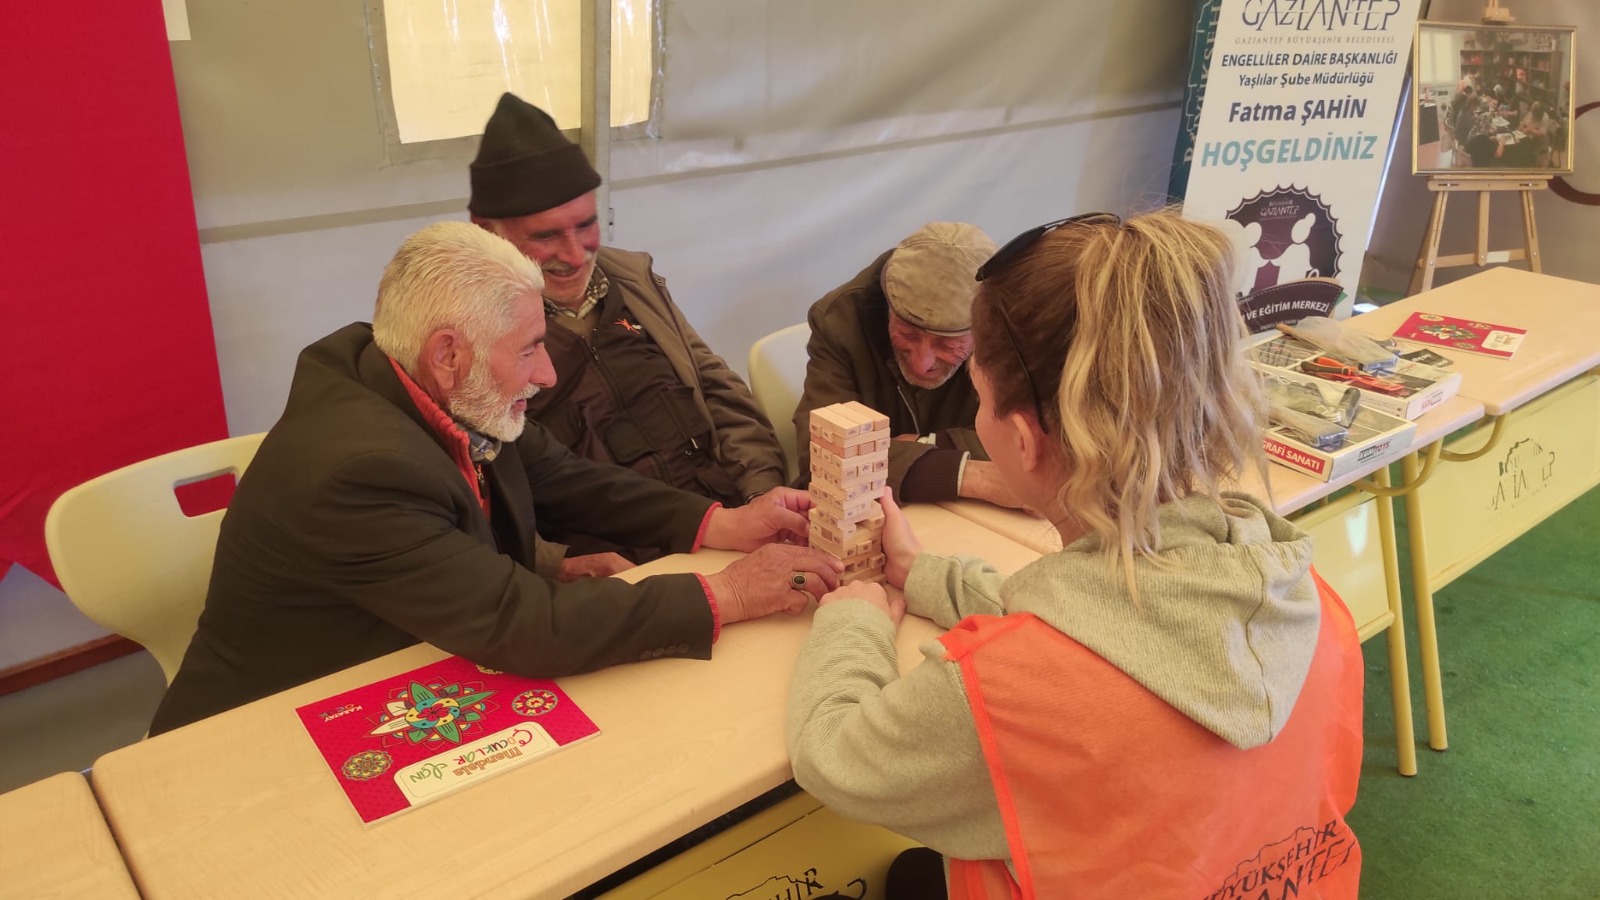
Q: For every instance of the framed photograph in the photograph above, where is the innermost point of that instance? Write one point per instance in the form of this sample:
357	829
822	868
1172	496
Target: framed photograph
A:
1493	98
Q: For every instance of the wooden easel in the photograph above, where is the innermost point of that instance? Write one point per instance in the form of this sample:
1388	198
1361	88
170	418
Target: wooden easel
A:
1485	186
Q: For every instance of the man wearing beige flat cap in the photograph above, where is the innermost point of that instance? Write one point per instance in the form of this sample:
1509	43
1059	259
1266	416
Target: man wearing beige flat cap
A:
897	337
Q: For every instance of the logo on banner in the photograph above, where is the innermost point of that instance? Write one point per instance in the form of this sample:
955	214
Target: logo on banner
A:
1318	15
1283	235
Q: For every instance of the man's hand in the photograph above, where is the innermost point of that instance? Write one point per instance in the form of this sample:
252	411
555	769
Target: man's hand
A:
873	593
779	516
900	544
772	578
980	480
594	565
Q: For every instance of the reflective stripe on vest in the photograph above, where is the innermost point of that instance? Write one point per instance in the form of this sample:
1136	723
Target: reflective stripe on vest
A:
1105	790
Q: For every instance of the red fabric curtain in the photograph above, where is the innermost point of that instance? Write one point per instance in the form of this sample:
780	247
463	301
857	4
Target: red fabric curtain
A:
109	356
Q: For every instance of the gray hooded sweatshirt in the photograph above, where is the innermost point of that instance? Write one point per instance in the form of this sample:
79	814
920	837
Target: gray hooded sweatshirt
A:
1224	631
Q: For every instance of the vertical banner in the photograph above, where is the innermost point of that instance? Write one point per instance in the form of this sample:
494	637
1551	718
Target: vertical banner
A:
1293	139
1194	97
111	357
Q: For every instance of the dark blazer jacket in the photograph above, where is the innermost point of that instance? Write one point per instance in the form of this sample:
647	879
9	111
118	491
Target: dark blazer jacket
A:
354	534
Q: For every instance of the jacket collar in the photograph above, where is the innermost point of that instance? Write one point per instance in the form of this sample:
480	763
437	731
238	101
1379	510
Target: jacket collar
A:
455	439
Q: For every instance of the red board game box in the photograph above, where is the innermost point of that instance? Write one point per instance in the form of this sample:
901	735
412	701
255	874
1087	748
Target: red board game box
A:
1499	341
413	738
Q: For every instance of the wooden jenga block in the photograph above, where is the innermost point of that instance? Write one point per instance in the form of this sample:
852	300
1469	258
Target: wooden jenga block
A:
840	541
838	424
861	545
871	523
878	420
867	477
820	541
862	575
832	420
872	440
872	485
856	552
851	510
841	508
824	533
828	524
850	473
862	446
823	517
843	546
865	562
858	422
873	520
847	548
823	458
824	537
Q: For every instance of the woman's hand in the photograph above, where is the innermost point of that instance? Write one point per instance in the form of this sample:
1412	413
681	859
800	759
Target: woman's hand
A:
873	593
900	545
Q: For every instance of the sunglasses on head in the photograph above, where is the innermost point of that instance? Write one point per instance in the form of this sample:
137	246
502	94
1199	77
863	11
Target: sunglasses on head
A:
1014	247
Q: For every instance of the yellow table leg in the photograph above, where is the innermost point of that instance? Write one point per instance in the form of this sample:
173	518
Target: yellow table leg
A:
1422	594
1405	738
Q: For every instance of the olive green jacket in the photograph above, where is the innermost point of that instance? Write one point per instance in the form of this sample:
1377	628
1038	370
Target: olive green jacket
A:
742	438
744	442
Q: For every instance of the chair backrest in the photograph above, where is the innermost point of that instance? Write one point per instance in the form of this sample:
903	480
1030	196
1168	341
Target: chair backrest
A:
127	555
777	378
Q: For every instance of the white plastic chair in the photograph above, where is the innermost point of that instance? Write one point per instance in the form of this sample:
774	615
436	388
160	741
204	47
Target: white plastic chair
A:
129	558
777	378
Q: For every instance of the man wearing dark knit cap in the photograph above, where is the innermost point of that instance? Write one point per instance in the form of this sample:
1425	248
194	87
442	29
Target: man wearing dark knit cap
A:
897	338
636	386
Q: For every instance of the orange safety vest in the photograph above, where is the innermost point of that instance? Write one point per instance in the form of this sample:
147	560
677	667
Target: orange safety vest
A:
1107	791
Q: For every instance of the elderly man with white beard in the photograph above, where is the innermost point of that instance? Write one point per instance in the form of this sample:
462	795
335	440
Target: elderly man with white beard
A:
394	503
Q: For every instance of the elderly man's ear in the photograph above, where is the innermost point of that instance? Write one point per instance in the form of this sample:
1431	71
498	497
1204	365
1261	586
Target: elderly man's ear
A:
446	360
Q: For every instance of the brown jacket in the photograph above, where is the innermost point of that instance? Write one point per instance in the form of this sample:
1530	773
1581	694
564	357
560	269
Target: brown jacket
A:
851	359
742	438
354	533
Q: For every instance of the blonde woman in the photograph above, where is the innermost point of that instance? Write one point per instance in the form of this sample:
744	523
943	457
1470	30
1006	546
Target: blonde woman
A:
1170	705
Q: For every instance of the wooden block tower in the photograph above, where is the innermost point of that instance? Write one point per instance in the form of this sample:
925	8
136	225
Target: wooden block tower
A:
849	467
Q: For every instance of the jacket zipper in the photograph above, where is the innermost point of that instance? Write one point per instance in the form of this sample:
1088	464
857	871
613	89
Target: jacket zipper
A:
915	424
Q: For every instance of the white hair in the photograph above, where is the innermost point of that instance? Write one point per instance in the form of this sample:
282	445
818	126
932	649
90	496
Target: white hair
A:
449	275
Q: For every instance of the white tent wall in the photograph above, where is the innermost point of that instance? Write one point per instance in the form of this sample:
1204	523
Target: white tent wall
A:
798	141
